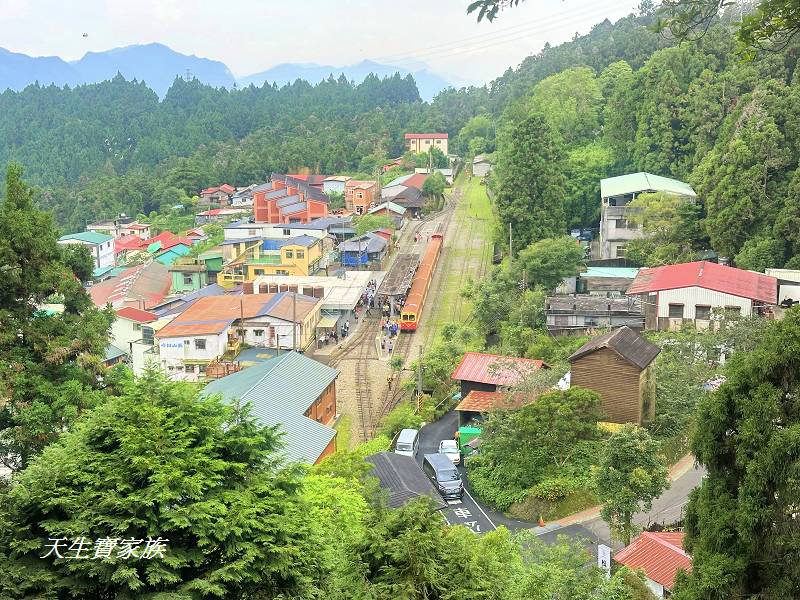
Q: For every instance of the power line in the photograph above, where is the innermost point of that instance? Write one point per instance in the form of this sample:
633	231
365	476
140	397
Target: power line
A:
501	36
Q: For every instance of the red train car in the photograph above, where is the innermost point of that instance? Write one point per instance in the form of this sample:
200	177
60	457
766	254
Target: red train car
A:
412	309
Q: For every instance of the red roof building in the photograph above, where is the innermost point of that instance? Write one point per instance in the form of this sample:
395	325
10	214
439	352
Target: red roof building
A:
673	294
659	555
136	314
129	243
488	372
142	286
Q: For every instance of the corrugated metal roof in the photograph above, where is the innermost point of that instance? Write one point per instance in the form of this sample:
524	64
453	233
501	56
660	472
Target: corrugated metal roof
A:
495	369
403	479
634	183
293	208
483	402
396	208
135	314
624	341
659	554
112	352
90	237
620	272
710	276
368	243
288	200
280	390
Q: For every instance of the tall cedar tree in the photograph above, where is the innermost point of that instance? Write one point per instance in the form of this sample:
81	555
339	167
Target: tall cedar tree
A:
742	524
158	461
530	186
49	363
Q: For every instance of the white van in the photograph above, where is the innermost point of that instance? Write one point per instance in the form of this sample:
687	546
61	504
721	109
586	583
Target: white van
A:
407	442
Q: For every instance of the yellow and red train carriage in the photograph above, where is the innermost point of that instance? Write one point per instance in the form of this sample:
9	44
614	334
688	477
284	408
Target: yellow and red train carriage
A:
412	308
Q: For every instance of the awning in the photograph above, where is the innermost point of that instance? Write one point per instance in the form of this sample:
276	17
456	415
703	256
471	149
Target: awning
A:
327	323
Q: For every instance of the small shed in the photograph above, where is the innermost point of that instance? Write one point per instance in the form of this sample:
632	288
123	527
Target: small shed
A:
481	166
402	478
618	365
477	404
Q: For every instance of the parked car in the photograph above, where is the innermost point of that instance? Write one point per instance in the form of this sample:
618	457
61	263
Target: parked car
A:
444	475
407	442
450	449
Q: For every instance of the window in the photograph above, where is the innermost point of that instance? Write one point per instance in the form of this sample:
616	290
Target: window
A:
201	369
287	232
281	272
251	232
200	344
259	271
702	312
187	279
137	326
190	368
148	335
733	311
621	250
676	311
428	142
187	342
289	254
301	254
258	332
360	196
621	224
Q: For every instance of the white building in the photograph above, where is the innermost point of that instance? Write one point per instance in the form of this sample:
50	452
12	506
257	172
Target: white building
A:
480	166
699	291
334	184
133	332
616	194
215	327
100	245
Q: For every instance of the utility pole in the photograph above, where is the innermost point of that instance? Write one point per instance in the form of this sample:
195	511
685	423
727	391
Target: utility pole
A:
294	321
509	243
419	379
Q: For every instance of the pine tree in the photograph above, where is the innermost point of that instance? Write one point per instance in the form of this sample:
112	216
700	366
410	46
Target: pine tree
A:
530	186
49	363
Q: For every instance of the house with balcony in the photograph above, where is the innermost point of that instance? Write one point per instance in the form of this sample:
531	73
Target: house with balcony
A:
616	193
249	258
214	328
701	293
188	275
217	195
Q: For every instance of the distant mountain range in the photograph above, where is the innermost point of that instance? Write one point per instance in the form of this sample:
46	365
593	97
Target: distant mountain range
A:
157	65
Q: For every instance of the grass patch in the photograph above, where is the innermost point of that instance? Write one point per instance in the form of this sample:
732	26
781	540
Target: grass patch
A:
532	508
344	432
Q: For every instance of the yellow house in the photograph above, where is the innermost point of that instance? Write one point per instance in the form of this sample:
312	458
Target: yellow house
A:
423	142
299	256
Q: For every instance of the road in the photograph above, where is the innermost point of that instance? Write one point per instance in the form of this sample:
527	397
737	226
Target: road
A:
591	528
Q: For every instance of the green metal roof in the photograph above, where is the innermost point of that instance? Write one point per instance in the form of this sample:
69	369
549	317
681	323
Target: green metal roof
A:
396	208
100	272
90	237
112	352
280	390
643	182
623	272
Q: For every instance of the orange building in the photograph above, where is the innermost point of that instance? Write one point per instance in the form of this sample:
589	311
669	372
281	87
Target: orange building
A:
287	199
360	196
293	392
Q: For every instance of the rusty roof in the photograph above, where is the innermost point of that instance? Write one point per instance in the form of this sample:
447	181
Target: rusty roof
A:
483	402
495	369
214	314
659	554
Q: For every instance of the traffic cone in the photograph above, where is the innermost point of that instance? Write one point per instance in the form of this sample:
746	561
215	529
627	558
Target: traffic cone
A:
541	521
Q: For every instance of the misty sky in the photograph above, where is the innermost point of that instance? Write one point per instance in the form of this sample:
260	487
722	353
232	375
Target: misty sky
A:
254	35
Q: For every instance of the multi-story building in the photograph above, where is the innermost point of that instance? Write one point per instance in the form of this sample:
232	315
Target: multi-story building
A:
215	327
245	259
121	226
616	193
101	247
423	142
360	196
286	199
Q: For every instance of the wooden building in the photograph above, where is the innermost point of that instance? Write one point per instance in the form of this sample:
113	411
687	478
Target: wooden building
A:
619	366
